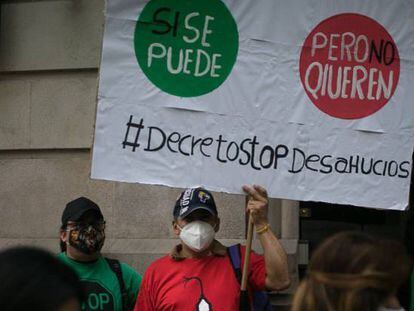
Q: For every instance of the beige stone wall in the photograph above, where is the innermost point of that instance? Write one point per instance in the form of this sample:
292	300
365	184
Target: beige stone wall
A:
49	57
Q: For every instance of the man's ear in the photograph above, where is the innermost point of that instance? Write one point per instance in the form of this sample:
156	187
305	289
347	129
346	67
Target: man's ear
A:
63	235
217	227
176	228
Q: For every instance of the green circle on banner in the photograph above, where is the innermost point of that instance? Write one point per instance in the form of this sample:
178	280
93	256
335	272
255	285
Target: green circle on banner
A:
186	48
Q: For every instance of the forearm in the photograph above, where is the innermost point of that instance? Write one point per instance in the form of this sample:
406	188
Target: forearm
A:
277	273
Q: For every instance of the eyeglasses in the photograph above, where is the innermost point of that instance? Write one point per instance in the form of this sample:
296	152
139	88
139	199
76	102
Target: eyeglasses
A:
99	225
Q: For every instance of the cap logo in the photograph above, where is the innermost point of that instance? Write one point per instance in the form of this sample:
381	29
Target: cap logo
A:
204	197
185	200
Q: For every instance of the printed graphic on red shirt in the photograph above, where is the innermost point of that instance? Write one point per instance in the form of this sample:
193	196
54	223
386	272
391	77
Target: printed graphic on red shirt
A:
202	304
349	66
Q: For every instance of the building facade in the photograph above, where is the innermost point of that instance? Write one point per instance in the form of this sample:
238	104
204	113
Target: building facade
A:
49	64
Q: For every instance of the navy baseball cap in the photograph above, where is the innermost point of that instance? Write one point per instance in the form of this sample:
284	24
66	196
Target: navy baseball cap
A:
193	199
75	209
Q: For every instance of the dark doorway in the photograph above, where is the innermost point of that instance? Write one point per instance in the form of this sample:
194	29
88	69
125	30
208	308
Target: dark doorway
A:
320	220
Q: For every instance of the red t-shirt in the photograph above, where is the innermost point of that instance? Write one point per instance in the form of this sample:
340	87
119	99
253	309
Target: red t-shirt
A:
209	283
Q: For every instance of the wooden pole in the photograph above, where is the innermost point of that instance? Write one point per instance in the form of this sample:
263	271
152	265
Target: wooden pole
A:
247	254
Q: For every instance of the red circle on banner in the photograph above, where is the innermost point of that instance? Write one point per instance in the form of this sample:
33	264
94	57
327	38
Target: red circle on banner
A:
349	66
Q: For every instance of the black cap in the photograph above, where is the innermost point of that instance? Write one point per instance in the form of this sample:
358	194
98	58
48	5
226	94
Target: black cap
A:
76	208
193	199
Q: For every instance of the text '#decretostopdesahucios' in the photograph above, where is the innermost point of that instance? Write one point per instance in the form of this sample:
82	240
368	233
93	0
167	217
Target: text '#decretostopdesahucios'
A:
254	154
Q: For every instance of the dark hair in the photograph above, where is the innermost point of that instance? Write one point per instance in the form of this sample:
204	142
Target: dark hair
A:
34	279
352	271
409	231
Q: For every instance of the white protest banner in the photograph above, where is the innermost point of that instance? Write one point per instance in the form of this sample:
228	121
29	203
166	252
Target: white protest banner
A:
310	99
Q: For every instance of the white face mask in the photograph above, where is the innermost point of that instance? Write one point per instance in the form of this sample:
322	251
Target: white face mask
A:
197	235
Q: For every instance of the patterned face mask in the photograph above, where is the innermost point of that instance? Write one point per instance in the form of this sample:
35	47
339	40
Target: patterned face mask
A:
87	238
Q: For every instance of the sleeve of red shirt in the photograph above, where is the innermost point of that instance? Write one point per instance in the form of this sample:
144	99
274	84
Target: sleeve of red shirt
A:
257	270
145	301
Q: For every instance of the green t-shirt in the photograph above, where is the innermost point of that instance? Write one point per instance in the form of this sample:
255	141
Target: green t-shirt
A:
102	285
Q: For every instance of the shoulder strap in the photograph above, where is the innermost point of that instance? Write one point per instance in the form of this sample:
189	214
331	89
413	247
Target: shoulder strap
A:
235	258
116	268
261	300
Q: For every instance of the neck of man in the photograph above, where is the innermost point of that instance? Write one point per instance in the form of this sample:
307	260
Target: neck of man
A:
77	255
189	253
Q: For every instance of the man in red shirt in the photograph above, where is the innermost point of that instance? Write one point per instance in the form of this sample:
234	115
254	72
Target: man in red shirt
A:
198	274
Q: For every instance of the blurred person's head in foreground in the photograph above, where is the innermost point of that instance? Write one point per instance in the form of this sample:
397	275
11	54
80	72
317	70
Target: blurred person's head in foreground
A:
352	271
33	279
